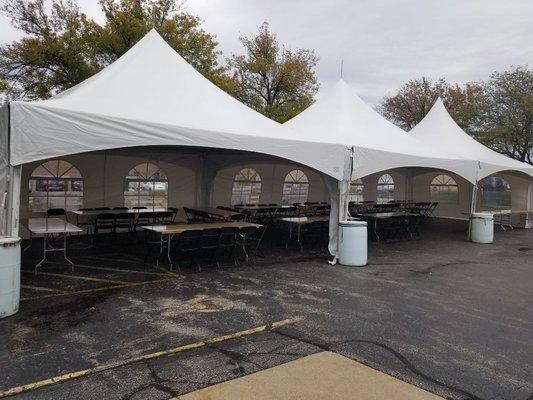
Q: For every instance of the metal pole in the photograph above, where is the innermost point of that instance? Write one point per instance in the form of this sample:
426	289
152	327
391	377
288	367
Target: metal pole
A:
527	222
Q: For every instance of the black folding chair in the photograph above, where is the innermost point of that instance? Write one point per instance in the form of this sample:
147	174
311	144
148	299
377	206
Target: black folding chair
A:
85	222
237	217
164	217
249	240
226	245
192	216
207	247
125	222
185	247
314	234
104	223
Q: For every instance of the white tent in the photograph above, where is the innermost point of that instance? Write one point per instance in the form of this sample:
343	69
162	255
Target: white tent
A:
439	130
150	96
340	116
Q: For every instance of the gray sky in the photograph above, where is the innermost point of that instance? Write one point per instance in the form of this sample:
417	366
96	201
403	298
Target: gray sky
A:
383	42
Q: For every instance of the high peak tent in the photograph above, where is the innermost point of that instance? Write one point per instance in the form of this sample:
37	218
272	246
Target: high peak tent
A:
340	116
150	96
438	129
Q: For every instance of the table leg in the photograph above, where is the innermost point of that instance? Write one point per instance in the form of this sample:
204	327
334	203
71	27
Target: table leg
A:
29	245
168	251
65	252
160	249
44	255
290	235
299	241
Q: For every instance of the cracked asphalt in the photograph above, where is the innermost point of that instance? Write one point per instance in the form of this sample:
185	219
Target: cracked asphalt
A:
446	315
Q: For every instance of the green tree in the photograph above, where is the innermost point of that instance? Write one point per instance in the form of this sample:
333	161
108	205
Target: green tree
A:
277	82
509	116
63	47
127	21
414	99
54	54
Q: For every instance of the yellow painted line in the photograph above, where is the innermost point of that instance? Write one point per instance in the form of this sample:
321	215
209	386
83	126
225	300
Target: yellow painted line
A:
168	272
163	272
41	288
78	277
120	363
101	289
136	261
127	270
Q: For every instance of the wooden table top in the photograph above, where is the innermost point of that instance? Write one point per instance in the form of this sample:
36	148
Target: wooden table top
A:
128	211
180	228
219	212
51	225
305	220
257	207
501	212
385	215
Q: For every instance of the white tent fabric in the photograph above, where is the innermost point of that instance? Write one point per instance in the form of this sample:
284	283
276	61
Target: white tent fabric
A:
439	130
152	96
340	116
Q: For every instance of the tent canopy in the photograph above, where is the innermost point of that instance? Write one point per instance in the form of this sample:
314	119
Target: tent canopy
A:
152	96
438	129
341	116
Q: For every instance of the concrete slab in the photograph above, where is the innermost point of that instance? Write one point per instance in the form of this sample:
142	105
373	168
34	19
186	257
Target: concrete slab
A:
323	375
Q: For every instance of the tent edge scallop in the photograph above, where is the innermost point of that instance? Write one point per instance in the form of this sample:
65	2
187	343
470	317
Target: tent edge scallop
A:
75	132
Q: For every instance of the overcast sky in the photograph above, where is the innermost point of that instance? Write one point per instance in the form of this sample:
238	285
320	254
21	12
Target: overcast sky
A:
383	42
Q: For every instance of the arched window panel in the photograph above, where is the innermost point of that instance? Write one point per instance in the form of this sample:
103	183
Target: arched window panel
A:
495	193
385	188
146	185
295	188
444	189
246	187
356	191
55	184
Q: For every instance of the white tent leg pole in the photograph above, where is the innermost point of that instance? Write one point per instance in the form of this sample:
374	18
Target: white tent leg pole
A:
13	217
473	201
528	223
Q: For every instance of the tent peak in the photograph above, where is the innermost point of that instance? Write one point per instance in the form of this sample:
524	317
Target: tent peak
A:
439	129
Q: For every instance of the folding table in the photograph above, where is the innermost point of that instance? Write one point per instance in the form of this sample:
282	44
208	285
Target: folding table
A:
47	227
169	231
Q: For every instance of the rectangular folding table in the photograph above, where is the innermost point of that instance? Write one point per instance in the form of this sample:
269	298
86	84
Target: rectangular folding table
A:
217	212
94	213
167	232
48	227
299	222
383	216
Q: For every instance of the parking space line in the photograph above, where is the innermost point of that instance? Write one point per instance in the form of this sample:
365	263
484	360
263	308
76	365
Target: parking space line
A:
101	289
132	271
136	261
120	363
79	277
163	271
41	288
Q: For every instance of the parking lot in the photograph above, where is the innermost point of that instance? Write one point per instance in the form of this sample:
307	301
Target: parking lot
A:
443	314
